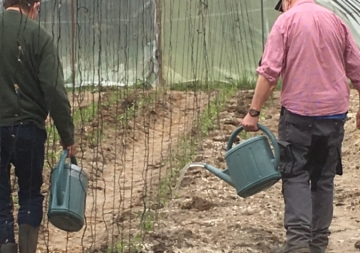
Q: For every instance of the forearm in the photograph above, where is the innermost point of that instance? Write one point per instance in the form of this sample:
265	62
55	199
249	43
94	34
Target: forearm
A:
262	93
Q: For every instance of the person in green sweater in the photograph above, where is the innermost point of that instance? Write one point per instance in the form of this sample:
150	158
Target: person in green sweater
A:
31	88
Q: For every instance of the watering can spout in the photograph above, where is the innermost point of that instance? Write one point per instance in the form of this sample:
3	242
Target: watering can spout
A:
222	174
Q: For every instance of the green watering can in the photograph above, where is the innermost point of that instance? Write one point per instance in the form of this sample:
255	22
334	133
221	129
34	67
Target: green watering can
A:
252	166
68	191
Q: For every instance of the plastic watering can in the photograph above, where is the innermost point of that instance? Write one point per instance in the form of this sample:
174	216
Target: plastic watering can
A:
68	191
252	166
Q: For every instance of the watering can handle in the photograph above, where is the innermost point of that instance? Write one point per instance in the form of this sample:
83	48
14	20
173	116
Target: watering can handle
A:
73	160
62	163
63	159
267	132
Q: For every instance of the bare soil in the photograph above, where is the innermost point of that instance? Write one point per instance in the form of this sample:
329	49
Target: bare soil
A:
208	216
205	215
124	163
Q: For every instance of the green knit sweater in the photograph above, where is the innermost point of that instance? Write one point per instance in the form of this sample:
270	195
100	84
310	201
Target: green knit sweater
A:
31	77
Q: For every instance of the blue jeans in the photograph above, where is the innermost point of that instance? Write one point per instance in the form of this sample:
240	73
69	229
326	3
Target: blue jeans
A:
24	147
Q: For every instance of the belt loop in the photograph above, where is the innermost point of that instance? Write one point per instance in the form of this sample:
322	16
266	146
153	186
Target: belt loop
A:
282	110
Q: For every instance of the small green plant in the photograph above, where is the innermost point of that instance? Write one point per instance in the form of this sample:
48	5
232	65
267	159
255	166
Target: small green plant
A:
142	84
52	133
52	157
133	246
86	114
95	136
147	220
119	247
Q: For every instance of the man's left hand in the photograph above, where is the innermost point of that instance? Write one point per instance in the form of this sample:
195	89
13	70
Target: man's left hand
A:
250	123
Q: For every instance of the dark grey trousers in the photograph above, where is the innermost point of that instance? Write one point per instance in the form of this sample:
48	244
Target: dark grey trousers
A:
310	159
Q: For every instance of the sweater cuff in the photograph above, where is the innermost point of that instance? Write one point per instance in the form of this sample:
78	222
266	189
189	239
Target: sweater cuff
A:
67	142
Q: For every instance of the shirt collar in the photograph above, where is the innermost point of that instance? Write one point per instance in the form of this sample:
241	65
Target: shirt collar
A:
299	2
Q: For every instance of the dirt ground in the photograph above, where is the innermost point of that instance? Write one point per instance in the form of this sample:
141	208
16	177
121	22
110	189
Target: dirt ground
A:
122	165
208	216
205	215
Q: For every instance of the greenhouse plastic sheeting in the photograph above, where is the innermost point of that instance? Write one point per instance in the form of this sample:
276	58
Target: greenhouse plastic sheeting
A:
348	11
213	40
223	40
115	41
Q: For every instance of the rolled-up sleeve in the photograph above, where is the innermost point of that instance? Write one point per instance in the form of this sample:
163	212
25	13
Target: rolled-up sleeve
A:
352	59
273	56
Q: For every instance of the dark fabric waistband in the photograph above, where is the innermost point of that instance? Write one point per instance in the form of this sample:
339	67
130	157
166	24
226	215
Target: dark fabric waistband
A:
335	116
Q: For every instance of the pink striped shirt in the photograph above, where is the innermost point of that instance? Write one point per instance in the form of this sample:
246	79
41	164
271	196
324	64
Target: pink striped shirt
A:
314	52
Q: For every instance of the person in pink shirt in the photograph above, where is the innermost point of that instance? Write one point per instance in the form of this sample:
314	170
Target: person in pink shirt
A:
315	54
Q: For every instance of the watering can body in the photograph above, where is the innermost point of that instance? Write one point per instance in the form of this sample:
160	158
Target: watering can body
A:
251	166
68	192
